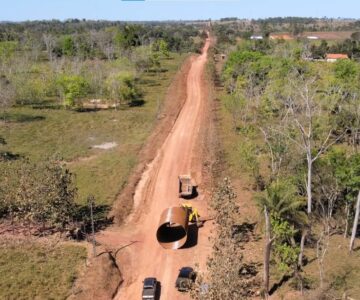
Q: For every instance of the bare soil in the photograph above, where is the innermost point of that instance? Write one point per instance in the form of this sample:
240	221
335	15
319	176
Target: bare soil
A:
105	146
182	152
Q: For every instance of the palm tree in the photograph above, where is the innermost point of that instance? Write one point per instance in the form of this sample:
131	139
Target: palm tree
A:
280	198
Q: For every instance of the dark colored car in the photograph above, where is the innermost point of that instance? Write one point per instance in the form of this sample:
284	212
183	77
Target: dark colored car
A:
185	279
149	288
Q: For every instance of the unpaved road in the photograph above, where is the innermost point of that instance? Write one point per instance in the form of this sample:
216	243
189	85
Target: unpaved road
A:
158	190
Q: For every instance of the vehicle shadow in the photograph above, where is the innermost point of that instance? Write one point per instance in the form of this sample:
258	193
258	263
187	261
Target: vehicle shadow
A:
158	290
192	238
193	195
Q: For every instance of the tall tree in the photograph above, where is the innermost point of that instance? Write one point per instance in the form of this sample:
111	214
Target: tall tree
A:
347	174
355	223
279	201
304	115
50	42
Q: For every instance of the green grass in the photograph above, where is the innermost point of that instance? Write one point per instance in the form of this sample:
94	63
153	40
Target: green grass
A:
42	133
34	271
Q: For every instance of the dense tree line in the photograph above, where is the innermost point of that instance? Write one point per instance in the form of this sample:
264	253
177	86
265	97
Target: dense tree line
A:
95	38
301	120
68	61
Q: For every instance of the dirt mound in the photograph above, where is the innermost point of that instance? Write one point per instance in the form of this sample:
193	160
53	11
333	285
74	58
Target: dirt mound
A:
101	280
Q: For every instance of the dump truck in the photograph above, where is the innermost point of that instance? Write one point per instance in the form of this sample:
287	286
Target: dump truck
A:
187	186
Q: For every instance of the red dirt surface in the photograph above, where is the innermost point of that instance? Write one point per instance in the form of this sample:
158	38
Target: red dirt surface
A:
175	99
158	190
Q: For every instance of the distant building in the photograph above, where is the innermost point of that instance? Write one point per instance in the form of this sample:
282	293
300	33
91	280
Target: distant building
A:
281	36
256	37
333	57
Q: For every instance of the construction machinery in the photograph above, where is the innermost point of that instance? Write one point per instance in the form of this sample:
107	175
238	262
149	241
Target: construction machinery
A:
185	279
187	186
194	216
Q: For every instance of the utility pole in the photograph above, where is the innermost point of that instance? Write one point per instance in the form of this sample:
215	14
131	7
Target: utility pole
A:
91	202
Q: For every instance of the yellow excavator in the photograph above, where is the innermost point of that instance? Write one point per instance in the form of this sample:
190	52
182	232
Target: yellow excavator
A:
194	216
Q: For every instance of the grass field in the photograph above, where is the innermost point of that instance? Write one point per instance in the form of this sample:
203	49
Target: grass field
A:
42	133
34	271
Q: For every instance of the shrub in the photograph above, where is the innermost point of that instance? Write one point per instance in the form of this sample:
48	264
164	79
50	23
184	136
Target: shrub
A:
72	87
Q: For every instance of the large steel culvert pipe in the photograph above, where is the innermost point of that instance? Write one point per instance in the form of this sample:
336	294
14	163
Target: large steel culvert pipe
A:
173	227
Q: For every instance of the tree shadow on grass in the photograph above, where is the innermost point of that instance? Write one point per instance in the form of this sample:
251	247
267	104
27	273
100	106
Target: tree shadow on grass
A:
156	71
40	104
277	285
356	249
20	118
100	212
9	156
149	82
86	109
47	106
137	102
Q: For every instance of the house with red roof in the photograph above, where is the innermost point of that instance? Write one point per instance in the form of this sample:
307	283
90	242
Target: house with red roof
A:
333	57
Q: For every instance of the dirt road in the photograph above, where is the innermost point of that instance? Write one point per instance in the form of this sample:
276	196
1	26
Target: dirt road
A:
158	190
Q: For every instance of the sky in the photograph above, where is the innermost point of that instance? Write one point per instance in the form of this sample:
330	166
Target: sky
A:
146	10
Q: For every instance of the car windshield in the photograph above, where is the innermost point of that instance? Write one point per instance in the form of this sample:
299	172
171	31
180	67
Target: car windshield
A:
149	282
185	272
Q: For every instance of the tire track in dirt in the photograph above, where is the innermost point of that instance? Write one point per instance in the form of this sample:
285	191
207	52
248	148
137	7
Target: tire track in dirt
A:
158	190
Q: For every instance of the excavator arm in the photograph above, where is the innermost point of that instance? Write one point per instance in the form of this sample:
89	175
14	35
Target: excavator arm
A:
194	216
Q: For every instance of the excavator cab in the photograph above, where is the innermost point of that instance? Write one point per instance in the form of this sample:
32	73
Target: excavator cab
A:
194	216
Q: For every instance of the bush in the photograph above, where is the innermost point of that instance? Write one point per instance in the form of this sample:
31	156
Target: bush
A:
345	69
72	87
122	87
